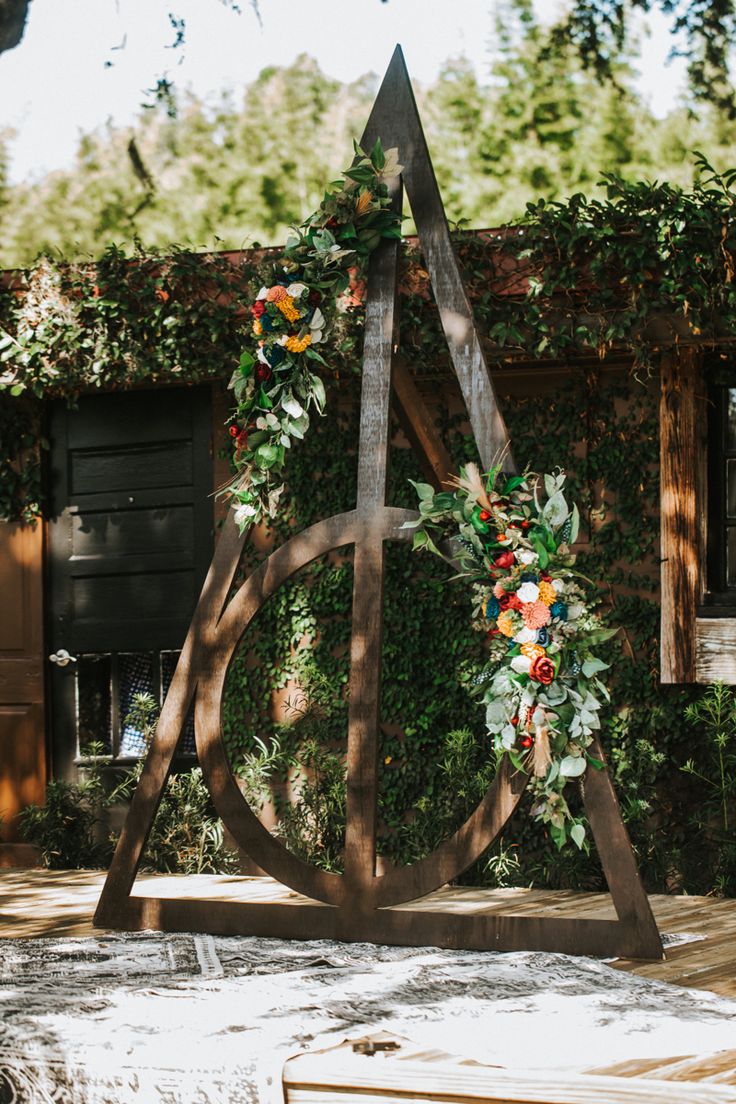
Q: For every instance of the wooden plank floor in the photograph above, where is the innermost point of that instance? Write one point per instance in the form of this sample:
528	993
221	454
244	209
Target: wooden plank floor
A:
37	903
50	902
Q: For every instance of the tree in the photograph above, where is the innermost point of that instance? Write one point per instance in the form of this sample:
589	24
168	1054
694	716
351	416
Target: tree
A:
599	29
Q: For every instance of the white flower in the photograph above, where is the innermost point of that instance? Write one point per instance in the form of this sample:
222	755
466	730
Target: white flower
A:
262	294
296	290
575	610
527	557
528	592
559	585
521	664
261	356
244	512
526	636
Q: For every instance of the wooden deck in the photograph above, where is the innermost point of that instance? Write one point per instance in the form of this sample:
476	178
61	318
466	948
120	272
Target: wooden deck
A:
47	902
36	903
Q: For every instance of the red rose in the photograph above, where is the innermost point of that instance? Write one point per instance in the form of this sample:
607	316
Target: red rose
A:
514	602
504	601
263	372
258	308
505	559
542	670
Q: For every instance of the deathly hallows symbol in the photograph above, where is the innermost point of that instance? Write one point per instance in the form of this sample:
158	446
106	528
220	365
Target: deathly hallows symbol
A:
359	904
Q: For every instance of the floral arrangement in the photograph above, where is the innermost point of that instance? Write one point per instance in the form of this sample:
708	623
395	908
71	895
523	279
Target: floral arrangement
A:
540	683
275	384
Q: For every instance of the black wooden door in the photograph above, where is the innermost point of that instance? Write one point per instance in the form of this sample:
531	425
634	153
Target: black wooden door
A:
129	544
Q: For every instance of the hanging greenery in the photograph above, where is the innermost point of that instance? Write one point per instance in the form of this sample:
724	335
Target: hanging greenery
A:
540	681
275	385
647	268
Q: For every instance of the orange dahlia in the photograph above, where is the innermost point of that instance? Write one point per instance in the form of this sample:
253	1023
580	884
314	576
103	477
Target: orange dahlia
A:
298	344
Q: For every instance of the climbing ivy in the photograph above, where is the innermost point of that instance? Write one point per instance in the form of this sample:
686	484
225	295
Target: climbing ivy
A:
648	267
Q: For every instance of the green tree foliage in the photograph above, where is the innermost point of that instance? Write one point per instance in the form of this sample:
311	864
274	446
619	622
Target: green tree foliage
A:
706	29
228	174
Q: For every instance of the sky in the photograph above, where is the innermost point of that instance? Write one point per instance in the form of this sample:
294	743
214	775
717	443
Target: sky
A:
59	82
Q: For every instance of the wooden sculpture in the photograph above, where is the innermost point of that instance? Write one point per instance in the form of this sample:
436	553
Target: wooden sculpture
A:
358	905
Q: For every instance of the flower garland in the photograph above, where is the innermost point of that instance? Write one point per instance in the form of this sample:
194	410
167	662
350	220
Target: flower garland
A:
540	683
274	385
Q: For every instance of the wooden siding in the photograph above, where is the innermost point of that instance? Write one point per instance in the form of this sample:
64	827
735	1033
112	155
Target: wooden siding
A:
682	458
22	736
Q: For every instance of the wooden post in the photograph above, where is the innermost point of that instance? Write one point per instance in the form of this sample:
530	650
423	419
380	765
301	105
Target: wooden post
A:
680	540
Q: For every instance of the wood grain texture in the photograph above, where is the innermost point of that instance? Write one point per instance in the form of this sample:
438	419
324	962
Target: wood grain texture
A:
23	751
680	478
340	1076
419	426
395	119
715	650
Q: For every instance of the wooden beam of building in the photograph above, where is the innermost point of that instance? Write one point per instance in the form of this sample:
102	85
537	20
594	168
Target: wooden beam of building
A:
680	502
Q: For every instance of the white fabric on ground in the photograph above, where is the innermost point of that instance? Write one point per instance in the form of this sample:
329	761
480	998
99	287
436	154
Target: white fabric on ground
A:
174	1019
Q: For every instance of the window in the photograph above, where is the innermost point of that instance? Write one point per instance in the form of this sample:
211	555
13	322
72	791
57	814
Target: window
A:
722	494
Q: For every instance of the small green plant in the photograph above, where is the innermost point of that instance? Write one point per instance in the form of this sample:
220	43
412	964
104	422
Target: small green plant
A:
70	829
313	826
712	822
466	769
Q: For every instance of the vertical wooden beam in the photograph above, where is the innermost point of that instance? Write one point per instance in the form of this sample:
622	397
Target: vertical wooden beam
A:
680	511
381	324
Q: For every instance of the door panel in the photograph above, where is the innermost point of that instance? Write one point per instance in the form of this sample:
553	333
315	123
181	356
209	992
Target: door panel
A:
130	543
22	730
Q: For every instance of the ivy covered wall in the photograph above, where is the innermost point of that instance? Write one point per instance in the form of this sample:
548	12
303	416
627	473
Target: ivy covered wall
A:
601	425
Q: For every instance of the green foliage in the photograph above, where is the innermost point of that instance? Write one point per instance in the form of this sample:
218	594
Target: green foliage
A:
70	829
713	772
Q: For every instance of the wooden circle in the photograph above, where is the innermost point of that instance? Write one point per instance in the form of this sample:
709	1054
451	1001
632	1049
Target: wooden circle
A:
400	884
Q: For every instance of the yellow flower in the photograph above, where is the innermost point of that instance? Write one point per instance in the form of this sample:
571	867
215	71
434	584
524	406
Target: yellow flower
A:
507	623
257	328
532	650
287	308
387	760
298	344
547	593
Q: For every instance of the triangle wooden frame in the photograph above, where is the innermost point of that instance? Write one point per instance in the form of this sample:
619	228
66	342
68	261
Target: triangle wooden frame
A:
359	905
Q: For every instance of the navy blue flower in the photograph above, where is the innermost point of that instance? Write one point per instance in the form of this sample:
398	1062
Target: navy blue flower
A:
266	322
529	577
558	609
493	608
274	355
542	637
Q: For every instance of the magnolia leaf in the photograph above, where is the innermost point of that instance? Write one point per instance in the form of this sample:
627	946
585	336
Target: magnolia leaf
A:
572	766
574	524
424	490
592	666
318	392
292	406
555	511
